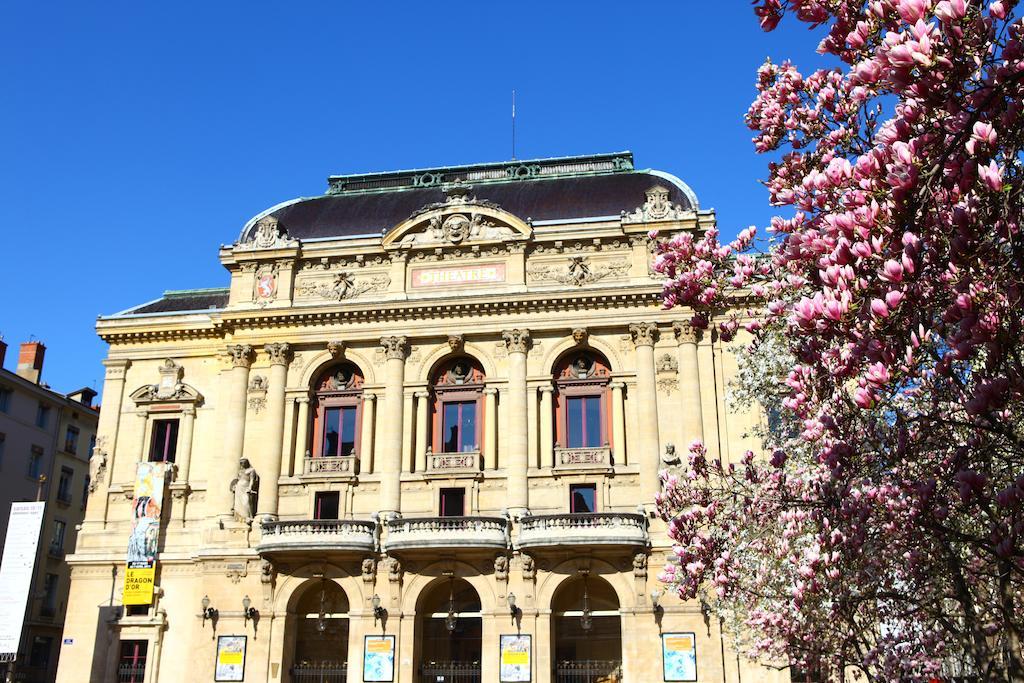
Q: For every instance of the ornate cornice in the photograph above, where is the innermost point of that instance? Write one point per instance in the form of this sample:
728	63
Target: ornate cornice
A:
517	340
395	347
218	325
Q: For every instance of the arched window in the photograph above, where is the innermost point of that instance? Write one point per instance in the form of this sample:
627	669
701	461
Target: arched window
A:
338	413
582	401
457	406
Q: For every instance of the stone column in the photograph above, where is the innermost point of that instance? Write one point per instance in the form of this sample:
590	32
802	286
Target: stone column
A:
547	428
618	423
221	501
101	466
422	433
490	428
689	383
301	437
184	455
366	440
516	464
143	454
390	451
270	467
644	335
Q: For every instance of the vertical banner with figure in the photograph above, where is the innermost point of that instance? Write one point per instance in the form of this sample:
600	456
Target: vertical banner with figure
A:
679	656
16	570
140	574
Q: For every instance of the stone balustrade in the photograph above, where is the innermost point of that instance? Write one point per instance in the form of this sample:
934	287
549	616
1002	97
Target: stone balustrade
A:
447	532
330	467
318	534
589	528
588	459
453	463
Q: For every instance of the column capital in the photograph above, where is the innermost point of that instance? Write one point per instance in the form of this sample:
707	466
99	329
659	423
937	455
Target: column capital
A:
116	367
643	334
303	399
395	347
546	388
280	353
188	411
367	396
241	355
616	385
490	391
517	340
422	394
686	333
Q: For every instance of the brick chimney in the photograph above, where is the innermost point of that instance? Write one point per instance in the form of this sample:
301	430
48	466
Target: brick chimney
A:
30	361
3	352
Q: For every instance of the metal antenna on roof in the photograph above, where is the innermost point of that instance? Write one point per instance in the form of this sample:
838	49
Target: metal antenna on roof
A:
513	125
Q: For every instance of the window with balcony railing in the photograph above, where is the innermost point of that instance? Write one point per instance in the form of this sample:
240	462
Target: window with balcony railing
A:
457	388
338	412
582	401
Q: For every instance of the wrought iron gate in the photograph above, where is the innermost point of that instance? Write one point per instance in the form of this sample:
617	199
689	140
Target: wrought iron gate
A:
589	671
450	672
323	672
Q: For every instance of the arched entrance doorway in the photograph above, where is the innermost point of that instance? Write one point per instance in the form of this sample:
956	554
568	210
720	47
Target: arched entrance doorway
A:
320	622
586	632
449	632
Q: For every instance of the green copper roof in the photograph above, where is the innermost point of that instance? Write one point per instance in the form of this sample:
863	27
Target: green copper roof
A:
477	174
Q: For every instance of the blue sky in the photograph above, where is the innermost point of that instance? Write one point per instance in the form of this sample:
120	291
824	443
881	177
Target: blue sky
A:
136	137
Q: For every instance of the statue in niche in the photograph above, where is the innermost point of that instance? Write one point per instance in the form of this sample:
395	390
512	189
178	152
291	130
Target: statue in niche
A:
245	486
670	457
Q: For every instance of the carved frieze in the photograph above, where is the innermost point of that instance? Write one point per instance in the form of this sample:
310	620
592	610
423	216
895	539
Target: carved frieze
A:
170	388
578	271
341	285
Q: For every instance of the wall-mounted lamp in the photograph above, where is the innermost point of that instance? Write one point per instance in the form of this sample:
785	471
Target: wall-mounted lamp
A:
586	616
247	608
655	597
512	605
208	612
378	611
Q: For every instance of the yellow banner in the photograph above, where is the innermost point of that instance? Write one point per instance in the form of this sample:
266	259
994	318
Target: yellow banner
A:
508	657
138	585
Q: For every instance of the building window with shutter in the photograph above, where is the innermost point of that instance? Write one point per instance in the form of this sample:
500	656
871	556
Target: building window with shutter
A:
164	443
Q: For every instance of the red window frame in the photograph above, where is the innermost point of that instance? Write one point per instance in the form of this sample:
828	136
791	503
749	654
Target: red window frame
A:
444	393
327	397
568	386
163	448
133	656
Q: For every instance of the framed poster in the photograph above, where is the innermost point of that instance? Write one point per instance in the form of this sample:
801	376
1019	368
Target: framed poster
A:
230	664
679	656
378	659
516	656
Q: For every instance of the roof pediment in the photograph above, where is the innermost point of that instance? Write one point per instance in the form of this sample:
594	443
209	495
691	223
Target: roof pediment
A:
460	219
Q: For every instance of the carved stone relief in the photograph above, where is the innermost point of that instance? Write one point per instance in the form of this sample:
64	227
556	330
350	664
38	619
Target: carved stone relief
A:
258	393
656	208
269	234
342	285
578	272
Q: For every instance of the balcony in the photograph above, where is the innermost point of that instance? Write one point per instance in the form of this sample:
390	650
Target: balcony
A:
335	535
583	459
342	467
588	528
453	464
434	533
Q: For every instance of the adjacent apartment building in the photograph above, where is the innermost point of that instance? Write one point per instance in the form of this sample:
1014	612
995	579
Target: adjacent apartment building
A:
415	437
45	442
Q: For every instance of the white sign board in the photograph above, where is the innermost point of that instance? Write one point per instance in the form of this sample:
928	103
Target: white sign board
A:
16	570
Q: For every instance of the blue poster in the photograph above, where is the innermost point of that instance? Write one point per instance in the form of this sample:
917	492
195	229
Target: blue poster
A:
679	655
379	659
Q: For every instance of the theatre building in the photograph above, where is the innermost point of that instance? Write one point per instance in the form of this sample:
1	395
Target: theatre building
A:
415	438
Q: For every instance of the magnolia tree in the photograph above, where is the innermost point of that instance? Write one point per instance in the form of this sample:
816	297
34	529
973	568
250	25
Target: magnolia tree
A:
881	532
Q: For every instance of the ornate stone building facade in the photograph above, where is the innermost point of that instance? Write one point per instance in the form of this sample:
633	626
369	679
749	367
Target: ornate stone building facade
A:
422	425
